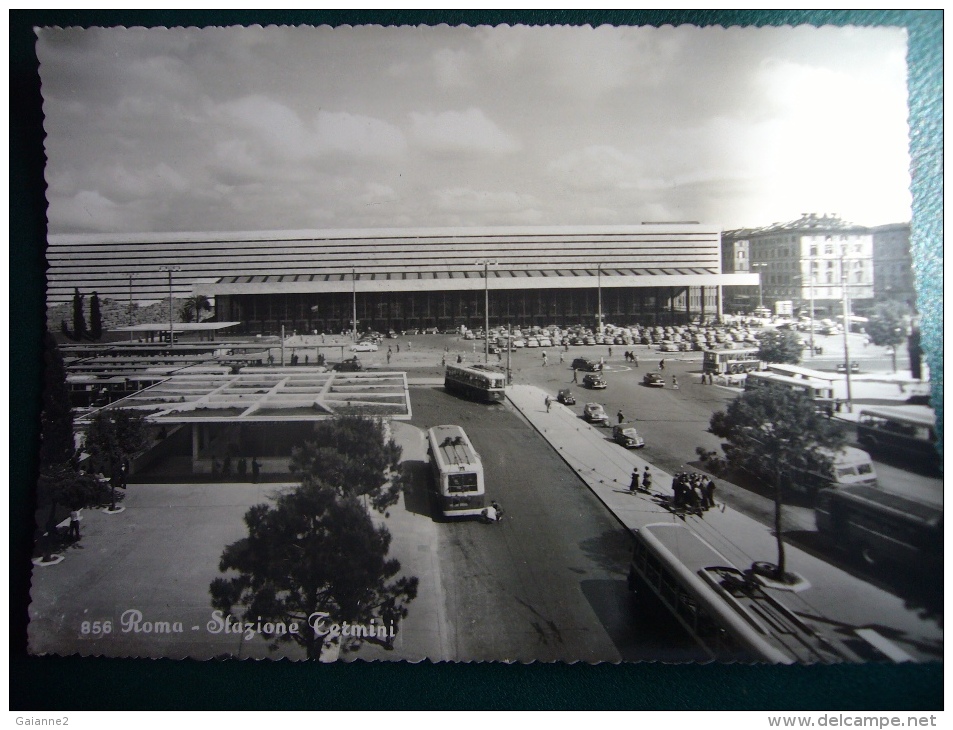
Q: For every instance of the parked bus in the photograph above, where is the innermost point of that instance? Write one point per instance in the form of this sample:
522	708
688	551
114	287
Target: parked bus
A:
882	527
819	391
479	382
907	431
457	472
726	611
741	360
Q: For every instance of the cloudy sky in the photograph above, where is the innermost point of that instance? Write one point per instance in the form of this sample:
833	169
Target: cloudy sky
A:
284	129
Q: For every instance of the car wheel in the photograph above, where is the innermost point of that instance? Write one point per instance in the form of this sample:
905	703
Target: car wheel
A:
869	556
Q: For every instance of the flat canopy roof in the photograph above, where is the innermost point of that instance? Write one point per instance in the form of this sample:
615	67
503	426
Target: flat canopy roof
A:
270	395
176	327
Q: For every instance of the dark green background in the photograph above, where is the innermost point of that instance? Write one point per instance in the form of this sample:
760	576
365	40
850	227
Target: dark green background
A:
58	683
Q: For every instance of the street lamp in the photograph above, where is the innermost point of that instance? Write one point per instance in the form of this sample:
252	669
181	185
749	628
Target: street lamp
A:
130	307
486	264
845	281
170	269
354	304
599	287
760	284
811	284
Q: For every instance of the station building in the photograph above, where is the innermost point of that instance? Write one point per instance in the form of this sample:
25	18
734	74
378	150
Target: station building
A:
653	274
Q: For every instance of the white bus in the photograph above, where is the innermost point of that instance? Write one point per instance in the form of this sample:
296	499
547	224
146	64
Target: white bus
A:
819	391
734	361
457	472
479	382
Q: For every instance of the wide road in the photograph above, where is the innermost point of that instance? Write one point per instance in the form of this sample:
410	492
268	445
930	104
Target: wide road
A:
548	582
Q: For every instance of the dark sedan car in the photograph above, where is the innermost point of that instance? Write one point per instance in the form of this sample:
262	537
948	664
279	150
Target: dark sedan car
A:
594	381
566	397
653	380
349	366
584	363
627	435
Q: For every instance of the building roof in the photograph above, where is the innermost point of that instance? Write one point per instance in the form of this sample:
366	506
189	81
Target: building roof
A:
676	254
807	223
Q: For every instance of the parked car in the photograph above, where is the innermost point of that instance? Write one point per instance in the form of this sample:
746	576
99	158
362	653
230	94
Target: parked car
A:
596	382
584	363
595	414
349	366
627	435
653	380
566	397
364	347
854	367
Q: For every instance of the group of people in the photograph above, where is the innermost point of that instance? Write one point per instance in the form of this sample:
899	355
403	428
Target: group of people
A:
631	357
693	491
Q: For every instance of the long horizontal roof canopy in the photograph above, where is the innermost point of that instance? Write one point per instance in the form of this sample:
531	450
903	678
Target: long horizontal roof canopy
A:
657	254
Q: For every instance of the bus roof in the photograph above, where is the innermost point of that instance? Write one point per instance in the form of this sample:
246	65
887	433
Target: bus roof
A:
452	447
918	415
798	371
479	368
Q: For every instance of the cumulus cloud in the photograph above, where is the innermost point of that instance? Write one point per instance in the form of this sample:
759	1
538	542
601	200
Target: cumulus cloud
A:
469	200
597	167
470	131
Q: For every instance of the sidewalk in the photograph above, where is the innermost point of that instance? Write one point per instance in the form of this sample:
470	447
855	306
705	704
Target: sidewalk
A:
835	598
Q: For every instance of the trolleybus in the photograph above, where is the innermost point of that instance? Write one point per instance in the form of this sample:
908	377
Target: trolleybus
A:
882	527
728	612
479	382
457	472
738	360
906	431
819	391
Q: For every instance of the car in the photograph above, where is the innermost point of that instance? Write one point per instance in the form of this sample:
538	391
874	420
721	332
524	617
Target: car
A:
653	380
595	413
854	367
594	381
349	366
627	435
566	397
364	347
493	349
584	363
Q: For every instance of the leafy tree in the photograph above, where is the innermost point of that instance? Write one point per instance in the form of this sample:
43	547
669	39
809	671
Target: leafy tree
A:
774	435
887	326
315	553
780	346
353	455
95	318
57	446
114	436
193	307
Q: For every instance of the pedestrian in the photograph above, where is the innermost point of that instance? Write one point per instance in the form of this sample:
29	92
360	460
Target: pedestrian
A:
459	359
306	356
635	359
74	518
575	375
499	356
255	469
708	490
388	355
544	359
271	358
620	416
661	364
634	484
704	382
562	358
242	468
443	360
647	479
610	350
549	403
674	383
398	347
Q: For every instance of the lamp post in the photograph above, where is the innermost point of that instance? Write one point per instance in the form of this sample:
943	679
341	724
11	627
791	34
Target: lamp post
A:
811	285
599	288
486	264
354	304
760	284
170	269
845	280
130	307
